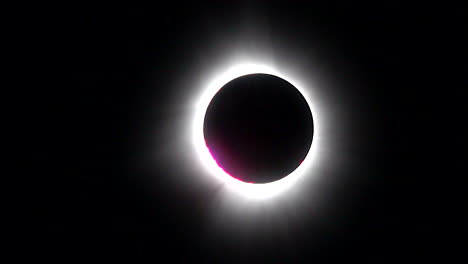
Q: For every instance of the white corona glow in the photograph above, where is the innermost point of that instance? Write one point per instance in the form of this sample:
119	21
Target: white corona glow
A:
249	190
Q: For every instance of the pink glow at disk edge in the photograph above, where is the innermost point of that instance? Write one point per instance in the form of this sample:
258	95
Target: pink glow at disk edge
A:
245	189
212	156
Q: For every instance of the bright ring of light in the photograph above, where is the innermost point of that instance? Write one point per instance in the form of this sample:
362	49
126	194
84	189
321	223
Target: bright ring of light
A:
248	190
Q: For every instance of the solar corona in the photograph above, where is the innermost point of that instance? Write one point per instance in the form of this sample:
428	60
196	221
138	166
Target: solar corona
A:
233	159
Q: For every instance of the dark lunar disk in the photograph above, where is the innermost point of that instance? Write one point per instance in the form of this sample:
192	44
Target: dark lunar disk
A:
258	128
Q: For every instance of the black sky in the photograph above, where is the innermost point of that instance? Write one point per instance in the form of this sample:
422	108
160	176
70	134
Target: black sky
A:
83	76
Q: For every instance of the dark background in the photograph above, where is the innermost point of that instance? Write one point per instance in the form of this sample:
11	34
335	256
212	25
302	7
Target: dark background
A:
80	75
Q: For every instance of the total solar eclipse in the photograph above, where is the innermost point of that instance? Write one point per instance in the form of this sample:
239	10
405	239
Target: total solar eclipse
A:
258	128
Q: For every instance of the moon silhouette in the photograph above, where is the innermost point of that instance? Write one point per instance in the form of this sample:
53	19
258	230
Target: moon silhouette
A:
258	128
